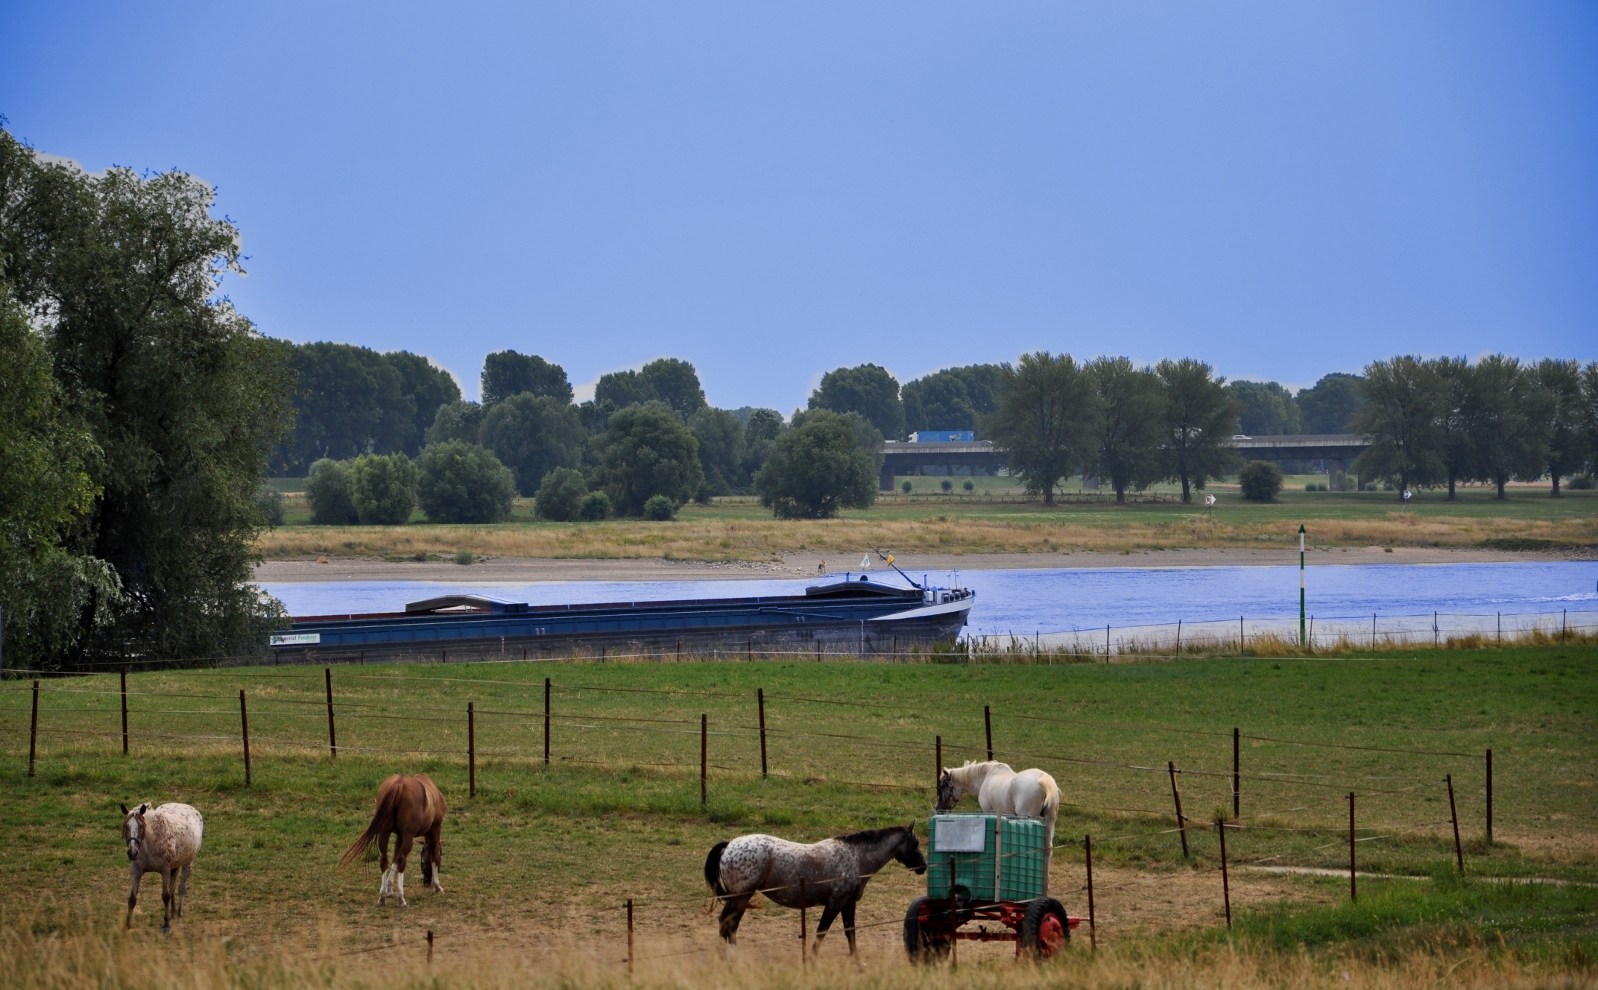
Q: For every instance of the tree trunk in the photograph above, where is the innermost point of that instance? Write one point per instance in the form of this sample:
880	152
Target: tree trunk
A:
1120	494
1187	496
1555	492
1450	486
1048	493
1502	480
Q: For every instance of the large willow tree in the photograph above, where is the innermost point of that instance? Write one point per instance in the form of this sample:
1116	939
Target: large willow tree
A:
177	397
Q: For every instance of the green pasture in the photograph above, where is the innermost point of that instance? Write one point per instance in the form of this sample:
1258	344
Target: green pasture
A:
617	812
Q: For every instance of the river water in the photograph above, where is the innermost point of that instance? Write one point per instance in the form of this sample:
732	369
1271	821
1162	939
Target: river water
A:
1065	603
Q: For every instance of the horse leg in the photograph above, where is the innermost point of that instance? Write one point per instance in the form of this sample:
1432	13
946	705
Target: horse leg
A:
385	888
827	914
731	915
435	857
848	924
183	887
167	874
402	851
137	877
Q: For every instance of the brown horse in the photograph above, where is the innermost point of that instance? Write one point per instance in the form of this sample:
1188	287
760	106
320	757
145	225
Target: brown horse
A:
411	807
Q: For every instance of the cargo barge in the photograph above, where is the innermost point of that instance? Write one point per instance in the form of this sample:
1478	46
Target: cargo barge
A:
854	616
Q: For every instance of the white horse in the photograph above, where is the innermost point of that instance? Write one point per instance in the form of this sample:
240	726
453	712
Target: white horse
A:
165	841
1002	791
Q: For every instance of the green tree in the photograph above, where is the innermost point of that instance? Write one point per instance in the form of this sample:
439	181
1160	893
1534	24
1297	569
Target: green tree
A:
1260	481
383	487
818	467
868	390
762	427
45	489
1404	401
675	383
621	389
561	494
348	401
428	387
463	483
1456	382
330	489
532	435
721	450
1559	383
646	450
181	396
1509	425
1329	406
1047	420
1589	405
1127	445
596	506
507	373
939	401
659	508
461	421
1197	424
1268	408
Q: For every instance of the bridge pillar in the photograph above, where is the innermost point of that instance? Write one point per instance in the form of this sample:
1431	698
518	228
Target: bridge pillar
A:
885	482
1333	469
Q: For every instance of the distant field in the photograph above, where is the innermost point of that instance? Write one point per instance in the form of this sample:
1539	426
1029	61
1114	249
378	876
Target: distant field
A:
538	865
991	520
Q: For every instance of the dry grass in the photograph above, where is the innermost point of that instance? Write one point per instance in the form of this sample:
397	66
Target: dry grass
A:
717	534
85	950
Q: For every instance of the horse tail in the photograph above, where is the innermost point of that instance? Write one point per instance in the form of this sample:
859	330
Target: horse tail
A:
1051	800
713	869
387	798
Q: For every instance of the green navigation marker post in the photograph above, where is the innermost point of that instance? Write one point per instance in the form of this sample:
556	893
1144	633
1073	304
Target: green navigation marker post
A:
1301	585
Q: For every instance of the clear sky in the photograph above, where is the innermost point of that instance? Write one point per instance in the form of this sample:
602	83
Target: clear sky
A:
771	190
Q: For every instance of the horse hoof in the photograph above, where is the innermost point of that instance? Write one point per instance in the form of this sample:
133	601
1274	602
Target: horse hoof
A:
166	929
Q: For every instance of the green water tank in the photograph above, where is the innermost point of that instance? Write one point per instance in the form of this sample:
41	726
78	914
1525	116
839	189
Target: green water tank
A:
986	857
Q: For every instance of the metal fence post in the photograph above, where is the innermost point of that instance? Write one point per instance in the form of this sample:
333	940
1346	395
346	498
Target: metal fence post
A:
1453	815
760	699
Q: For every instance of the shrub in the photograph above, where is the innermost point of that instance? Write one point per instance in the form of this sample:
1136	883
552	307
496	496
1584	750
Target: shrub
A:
1583	482
1260	481
659	508
464	483
969	485
383	487
817	468
596	506
946	485
269	501
465	557
560	496
907	487
329	489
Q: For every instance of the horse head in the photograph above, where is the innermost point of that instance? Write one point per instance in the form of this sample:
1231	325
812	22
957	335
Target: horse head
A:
949	791
910	851
133	828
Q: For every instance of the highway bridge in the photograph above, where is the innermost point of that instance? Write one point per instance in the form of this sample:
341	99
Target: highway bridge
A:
981	457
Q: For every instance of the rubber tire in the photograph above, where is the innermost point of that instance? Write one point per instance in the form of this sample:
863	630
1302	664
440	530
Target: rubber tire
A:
919	944
1044	928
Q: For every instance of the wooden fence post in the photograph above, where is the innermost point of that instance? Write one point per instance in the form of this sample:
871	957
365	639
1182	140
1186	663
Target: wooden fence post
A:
1237	777
1093	928
937	769
629	936
471	750
987	723
1453	814
244	727
704	755
332	735
33	730
1489	797
1226	886
760	699
1353	889
1176	796
429	945
546	721
124	711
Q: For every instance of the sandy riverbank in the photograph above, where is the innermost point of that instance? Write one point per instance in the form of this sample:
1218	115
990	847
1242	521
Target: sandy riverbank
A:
526	569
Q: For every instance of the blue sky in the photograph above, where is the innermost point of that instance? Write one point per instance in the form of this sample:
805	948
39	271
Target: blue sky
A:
771	190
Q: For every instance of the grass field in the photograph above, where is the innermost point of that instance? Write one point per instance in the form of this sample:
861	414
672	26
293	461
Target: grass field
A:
538	864
988	521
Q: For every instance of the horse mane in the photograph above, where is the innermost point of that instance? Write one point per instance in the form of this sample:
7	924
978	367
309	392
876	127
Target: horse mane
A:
870	836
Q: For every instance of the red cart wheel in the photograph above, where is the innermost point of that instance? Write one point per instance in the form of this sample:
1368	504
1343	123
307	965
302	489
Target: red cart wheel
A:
1044	928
